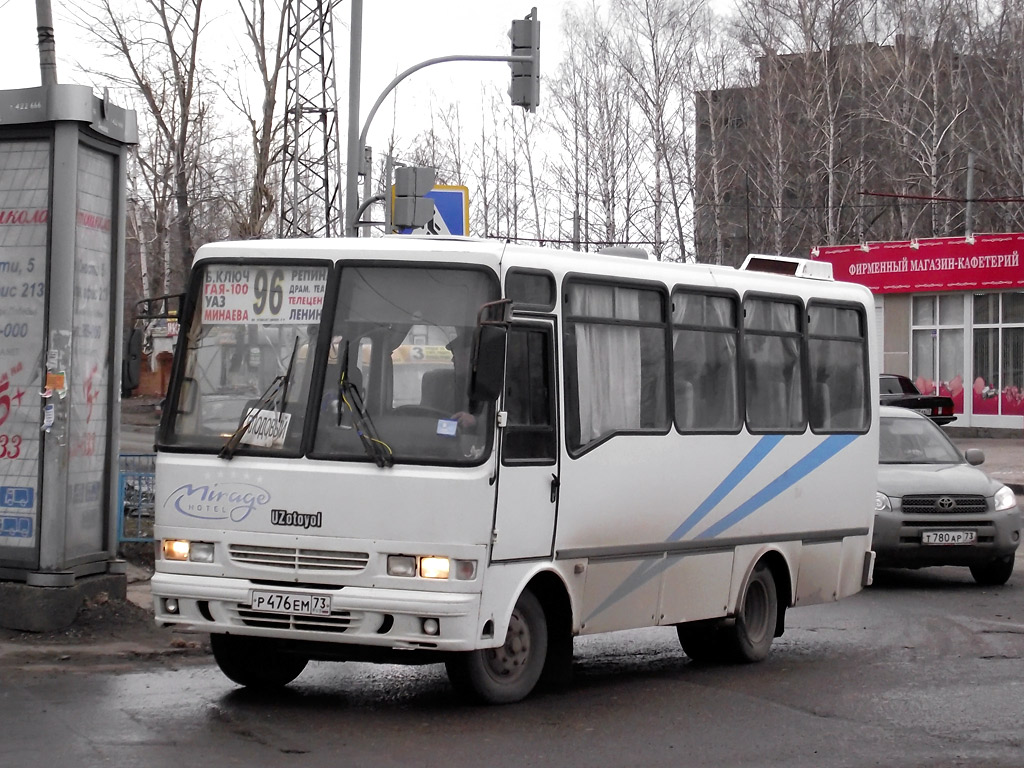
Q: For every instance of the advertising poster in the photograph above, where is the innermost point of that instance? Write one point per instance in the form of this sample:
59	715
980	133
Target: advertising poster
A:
24	210
91	353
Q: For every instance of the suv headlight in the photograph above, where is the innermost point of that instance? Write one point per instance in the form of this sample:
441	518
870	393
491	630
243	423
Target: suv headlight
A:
1004	499
882	503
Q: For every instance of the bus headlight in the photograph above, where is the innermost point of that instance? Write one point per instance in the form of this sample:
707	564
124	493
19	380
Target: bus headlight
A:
201	552
401	565
182	550
175	549
433	567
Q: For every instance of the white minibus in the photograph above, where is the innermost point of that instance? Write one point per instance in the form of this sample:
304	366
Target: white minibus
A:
422	449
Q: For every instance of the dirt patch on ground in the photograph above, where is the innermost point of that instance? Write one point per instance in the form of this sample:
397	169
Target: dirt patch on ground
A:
105	629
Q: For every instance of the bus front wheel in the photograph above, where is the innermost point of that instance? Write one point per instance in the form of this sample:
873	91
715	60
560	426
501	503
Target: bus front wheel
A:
255	662
701	640
509	672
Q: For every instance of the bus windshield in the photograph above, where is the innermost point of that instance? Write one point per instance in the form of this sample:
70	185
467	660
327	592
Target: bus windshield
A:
392	383
396	387
249	352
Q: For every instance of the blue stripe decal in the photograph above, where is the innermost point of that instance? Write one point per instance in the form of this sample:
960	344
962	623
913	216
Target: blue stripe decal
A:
825	451
761	449
814	459
649	569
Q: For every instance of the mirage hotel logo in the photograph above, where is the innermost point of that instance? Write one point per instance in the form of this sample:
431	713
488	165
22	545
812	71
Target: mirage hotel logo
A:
218	501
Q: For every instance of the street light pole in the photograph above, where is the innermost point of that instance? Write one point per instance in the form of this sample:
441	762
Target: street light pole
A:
356	143
355	147
525	92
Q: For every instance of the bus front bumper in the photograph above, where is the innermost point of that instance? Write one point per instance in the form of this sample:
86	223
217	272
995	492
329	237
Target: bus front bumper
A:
383	618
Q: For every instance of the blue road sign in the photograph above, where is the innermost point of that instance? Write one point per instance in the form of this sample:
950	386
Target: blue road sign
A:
451	212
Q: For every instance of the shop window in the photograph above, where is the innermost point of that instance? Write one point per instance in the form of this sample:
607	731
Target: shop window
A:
998	354
1013	307
986	308
924	310
937	346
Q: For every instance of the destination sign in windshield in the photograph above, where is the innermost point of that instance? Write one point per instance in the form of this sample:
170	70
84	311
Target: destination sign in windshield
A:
263	294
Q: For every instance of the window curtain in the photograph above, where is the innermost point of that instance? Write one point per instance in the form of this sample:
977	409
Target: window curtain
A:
608	360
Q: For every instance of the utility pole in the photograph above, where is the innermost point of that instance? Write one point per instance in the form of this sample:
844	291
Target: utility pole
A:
354	145
310	182
969	213
47	43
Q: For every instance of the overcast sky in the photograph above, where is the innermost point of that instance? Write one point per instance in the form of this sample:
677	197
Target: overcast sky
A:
397	34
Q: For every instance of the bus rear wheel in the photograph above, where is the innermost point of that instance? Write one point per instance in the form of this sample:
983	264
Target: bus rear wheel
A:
508	673
750	638
255	662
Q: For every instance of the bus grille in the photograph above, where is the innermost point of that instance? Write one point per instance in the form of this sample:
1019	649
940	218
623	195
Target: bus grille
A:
943	504
339	621
290	559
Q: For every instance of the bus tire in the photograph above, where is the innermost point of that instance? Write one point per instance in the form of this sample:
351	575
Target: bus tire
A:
702	641
750	638
508	673
255	662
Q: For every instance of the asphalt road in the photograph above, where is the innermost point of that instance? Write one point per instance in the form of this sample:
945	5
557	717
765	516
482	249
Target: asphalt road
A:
922	669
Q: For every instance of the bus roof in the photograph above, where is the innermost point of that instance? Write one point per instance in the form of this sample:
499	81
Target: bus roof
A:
501	256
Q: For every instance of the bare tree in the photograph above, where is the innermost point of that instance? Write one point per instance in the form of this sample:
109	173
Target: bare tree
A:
157	54
266	33
592	121
656	44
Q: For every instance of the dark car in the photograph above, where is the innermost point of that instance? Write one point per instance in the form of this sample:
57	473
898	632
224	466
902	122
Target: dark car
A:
900	391
934	507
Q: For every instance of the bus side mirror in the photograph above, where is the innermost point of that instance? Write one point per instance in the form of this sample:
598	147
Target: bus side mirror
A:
488	363
131	365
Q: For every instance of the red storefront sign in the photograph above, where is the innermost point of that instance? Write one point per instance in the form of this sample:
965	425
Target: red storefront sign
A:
988	262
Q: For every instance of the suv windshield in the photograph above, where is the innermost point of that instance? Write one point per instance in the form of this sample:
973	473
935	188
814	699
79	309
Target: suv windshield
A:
914	441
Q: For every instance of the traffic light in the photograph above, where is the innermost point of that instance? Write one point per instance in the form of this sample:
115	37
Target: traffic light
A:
411	208
525	36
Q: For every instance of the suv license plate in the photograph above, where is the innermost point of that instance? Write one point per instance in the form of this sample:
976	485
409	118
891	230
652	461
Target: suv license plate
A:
949	537
290	602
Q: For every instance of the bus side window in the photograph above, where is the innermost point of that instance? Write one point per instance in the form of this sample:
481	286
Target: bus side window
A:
837	354
705	362
616	363
773	362
529	435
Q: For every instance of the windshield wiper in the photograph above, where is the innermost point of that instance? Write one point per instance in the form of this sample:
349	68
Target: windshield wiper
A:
349	397
288	375
279	384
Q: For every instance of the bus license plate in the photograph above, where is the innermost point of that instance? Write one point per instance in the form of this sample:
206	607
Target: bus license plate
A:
949	537
290	602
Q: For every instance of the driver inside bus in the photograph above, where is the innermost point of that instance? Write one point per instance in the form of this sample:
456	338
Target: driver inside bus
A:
461	348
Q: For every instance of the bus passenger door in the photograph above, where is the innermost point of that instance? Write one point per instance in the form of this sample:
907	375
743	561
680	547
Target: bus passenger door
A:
524	520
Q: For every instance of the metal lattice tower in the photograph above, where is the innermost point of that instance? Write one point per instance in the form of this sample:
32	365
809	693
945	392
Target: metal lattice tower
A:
310	186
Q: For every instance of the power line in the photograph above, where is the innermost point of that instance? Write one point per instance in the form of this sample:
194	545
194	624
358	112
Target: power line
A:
938	199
